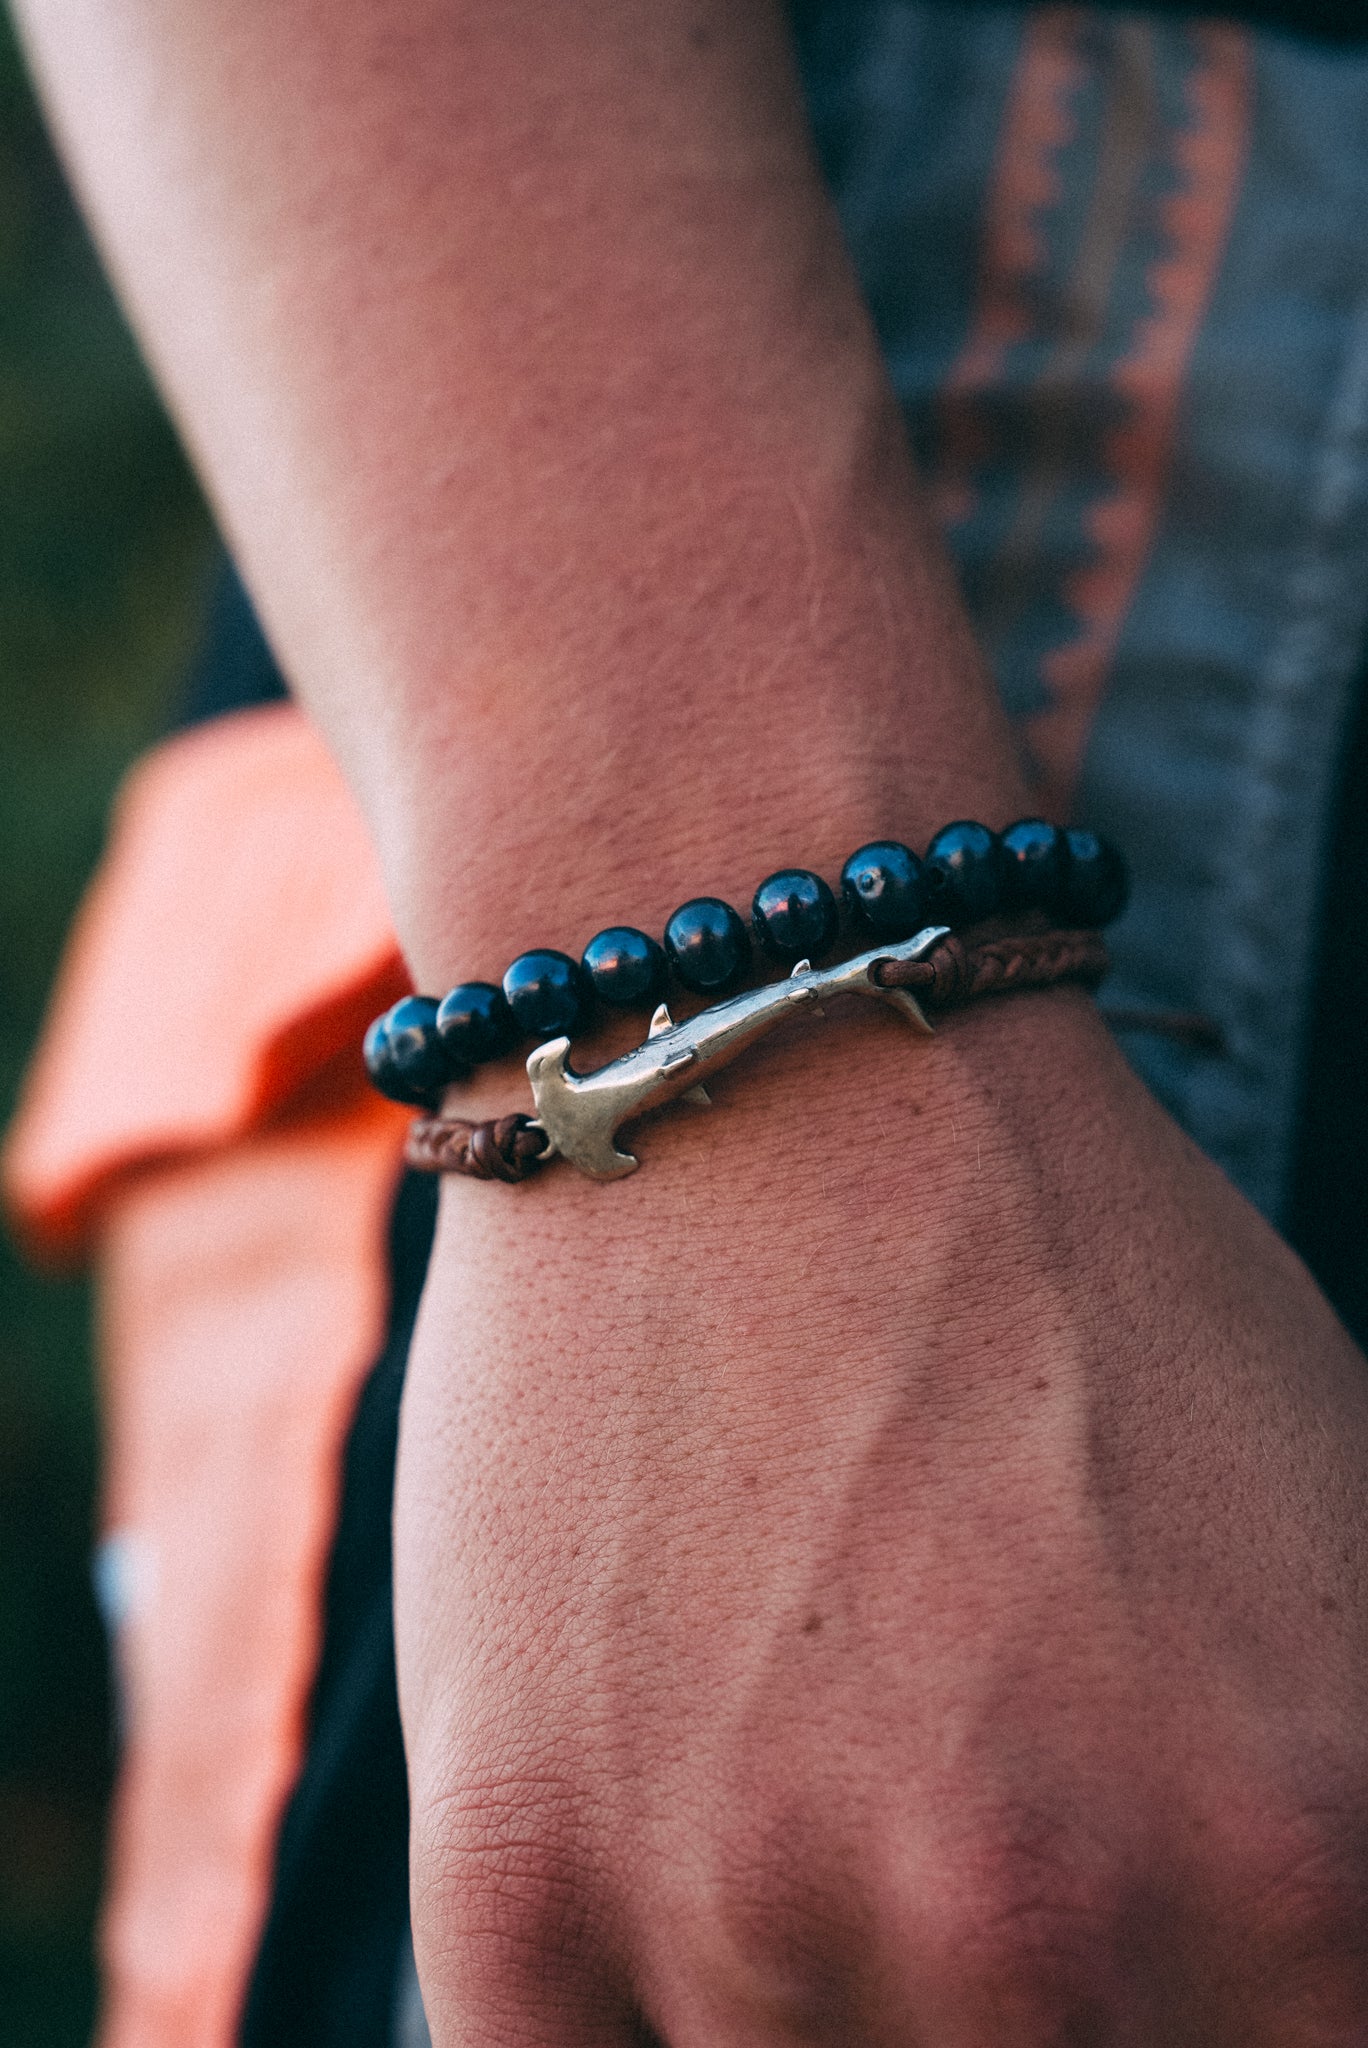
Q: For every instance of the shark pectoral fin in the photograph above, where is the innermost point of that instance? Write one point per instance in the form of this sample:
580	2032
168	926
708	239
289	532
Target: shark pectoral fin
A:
698	1095
907	1006
661	1020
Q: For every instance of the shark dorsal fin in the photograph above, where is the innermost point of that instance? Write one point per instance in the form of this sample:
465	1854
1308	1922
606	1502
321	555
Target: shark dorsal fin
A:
661	1021
803	967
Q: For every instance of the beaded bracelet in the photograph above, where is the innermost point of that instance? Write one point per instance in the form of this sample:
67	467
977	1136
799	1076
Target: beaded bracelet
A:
968	875
578	1116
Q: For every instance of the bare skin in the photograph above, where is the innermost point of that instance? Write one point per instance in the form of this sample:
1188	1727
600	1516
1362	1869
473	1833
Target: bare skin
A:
893	1571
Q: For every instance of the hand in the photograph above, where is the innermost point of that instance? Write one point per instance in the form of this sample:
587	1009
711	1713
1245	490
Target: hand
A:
893	1572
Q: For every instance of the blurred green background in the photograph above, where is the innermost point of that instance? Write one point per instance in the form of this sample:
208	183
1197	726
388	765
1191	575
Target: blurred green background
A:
104	553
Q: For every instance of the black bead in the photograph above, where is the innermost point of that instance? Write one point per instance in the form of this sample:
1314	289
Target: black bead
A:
547	994
963	878
795	916
626	968
1098	887
404	1055
375	1052
1035	866
884	887
475	1024
708	945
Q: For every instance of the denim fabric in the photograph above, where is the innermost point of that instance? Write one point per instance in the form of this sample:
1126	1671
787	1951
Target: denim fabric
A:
1119	265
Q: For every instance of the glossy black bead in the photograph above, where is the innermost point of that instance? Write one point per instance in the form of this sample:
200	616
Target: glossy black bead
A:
884	888
404	1055
475	1024
962	875
1098	886
708	945
1035	866
626	968
794	915
547	994
376	1054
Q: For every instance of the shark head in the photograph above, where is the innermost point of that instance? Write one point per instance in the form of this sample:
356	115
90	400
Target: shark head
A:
576	1119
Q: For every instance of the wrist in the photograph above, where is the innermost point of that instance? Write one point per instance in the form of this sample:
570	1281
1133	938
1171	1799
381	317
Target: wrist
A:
843	1158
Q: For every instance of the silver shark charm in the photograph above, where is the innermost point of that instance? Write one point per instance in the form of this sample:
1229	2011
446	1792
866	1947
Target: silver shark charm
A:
581	1113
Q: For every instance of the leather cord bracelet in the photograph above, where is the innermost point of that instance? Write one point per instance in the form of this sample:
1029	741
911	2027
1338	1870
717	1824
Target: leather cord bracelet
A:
578	1115
955	972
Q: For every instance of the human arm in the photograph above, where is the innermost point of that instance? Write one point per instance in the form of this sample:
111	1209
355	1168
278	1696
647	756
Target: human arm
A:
522	357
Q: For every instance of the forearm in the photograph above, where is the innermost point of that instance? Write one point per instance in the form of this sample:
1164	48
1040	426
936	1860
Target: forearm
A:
522	359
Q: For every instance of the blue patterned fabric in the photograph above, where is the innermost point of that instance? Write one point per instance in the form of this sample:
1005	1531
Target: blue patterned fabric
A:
1110	201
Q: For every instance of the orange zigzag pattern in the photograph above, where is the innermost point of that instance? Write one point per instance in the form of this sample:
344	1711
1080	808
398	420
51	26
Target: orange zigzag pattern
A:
1195	221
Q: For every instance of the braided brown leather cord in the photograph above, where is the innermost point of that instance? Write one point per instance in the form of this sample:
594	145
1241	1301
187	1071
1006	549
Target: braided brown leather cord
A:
502	1148
509	1148
956	973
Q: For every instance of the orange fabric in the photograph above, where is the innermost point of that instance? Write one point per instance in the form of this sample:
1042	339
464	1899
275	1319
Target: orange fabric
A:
244	1298
235	940
198	1114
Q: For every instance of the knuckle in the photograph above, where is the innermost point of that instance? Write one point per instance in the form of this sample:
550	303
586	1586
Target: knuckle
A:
498	1878
783	1928
1294	1891
1028	1922
1010	1927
